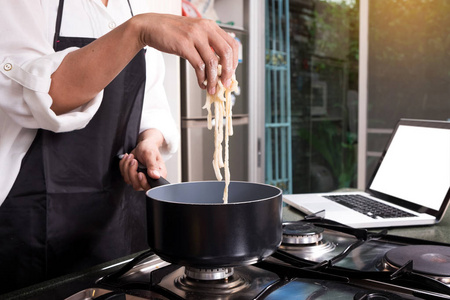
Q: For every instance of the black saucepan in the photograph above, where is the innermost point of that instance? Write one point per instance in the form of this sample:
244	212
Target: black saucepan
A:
189	225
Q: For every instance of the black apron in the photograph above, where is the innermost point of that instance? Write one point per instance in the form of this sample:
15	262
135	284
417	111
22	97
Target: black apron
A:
69	208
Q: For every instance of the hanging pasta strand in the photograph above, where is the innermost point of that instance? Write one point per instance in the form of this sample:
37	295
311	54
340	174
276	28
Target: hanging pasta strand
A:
229	132
221	102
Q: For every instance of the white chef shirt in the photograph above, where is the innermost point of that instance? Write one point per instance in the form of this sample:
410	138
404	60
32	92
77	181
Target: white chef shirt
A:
27	61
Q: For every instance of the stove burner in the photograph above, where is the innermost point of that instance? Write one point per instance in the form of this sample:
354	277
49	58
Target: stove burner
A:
427	259
376	295
305	238
208	274
301	233
211	281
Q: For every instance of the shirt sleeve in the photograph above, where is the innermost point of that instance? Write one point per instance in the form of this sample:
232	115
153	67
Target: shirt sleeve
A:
27	61
156	111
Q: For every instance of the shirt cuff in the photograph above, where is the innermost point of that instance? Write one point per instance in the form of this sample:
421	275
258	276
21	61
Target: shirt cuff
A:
34	77
163	121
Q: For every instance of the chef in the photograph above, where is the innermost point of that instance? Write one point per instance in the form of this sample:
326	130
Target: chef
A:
80	84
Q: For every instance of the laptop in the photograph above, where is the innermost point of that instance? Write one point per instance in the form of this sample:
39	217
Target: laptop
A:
412	178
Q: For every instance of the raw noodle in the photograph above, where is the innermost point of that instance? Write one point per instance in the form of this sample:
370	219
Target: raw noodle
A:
221	101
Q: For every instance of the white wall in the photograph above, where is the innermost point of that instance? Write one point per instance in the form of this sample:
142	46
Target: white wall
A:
172	84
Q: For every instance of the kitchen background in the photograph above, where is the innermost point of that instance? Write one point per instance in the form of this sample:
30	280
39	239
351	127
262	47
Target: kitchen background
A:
323	83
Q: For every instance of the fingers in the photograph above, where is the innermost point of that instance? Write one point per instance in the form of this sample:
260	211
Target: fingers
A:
131	175
199	66
204	61
143	183
228	54
129	170
213	46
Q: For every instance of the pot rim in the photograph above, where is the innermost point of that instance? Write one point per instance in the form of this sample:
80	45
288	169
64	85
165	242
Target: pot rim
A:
272	197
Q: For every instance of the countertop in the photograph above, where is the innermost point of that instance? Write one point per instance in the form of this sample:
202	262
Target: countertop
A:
65	286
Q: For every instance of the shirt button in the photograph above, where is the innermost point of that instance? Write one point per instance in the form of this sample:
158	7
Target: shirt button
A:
112	25
7	67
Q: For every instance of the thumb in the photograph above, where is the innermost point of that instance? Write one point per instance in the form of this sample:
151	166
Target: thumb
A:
153	173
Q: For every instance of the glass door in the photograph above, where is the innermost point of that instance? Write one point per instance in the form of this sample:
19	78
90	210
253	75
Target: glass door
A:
407	69
324	41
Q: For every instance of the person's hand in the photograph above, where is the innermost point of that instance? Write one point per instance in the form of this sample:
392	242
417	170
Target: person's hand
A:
201	41
147	152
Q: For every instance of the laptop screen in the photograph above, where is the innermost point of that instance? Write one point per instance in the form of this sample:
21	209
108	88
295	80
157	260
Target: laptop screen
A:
416	166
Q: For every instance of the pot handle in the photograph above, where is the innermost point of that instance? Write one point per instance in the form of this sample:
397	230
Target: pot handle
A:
153	182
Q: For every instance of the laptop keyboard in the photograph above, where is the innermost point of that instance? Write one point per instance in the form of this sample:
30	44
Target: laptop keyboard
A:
369	207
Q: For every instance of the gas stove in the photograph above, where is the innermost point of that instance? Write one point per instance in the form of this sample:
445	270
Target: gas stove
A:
317	259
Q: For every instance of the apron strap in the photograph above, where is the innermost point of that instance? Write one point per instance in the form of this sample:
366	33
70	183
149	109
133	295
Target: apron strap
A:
58	23
131	10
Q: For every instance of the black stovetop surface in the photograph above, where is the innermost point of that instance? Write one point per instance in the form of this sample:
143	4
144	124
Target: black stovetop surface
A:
345	264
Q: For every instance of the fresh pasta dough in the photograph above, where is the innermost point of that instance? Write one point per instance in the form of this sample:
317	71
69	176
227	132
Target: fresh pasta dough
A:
221	101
